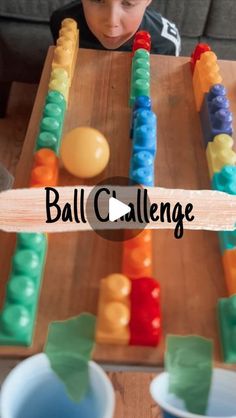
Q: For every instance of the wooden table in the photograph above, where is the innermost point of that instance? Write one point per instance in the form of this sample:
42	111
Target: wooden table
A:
190	269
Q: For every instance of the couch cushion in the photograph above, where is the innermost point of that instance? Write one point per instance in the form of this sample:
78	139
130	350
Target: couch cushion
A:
222	20
31	10
189	15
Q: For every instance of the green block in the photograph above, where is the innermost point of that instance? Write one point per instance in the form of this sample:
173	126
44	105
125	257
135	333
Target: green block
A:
141	53
140	69
141	64
140	87
227	325
17	318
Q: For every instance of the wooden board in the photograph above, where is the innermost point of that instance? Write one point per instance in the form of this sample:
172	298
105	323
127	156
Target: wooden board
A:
190	269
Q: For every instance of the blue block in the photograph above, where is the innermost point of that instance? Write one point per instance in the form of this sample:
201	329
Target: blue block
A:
141	102
141	159
142	168
145	139
215	116
225	180
227	240
143	176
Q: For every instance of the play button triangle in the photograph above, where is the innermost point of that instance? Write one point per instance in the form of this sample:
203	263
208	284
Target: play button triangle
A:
117	209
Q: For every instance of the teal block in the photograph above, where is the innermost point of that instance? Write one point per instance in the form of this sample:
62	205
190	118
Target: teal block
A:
227	326
227	240
51	125
225	180
17	317
47	140
56	97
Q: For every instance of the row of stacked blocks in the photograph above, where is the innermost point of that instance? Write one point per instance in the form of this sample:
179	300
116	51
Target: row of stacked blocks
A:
216	121
129	303
17	318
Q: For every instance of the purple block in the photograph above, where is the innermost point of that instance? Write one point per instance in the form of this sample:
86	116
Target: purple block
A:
215	114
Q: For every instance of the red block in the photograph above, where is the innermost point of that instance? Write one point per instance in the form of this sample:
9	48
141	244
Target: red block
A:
196	54
142	40
142	34
145	321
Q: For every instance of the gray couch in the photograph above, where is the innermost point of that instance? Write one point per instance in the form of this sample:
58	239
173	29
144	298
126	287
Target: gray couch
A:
25	34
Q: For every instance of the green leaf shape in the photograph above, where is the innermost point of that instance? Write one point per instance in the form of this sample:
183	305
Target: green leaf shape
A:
69	347
189	362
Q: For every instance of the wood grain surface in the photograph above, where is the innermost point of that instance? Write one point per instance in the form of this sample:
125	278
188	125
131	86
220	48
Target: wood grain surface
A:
133	399
189	270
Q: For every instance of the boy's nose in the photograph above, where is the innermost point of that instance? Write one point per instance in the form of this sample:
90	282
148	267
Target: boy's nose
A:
112	18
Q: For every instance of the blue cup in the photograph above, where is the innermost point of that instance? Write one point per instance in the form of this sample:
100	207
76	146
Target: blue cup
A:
33	390
222	398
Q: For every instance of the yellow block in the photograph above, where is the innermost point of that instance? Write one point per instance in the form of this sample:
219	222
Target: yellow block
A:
114	310
219	153
59	81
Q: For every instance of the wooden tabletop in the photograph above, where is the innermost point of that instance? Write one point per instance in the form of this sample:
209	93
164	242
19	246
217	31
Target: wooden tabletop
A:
189	270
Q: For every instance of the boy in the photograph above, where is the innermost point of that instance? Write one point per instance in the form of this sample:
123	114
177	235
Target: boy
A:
112	24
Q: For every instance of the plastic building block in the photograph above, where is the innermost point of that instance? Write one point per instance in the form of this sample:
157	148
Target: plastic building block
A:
142	34
145	117
69	26
216	90
114	310
145	137
17	317
142	168
141	103
51	125
216	117
142	40
225	180
137	256
227	240
196	54
45	169
219	153
66	50
227	325
59	81
57	98
140	75
140	87
206	74
229	263
145	320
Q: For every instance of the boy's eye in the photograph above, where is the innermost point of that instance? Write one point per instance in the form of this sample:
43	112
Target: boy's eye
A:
127	3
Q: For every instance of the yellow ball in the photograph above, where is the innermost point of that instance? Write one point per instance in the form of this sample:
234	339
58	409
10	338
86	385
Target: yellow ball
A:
85	152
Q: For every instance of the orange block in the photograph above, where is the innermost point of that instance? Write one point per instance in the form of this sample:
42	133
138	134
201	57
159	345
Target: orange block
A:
229	264
45	169
206	74
137	255
114	310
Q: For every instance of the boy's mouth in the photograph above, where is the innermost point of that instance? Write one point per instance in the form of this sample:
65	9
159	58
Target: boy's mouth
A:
111	36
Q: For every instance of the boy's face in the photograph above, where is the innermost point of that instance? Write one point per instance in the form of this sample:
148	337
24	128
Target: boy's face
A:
113	22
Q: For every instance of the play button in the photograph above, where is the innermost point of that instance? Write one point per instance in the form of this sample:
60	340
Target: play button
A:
114	212
117	209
